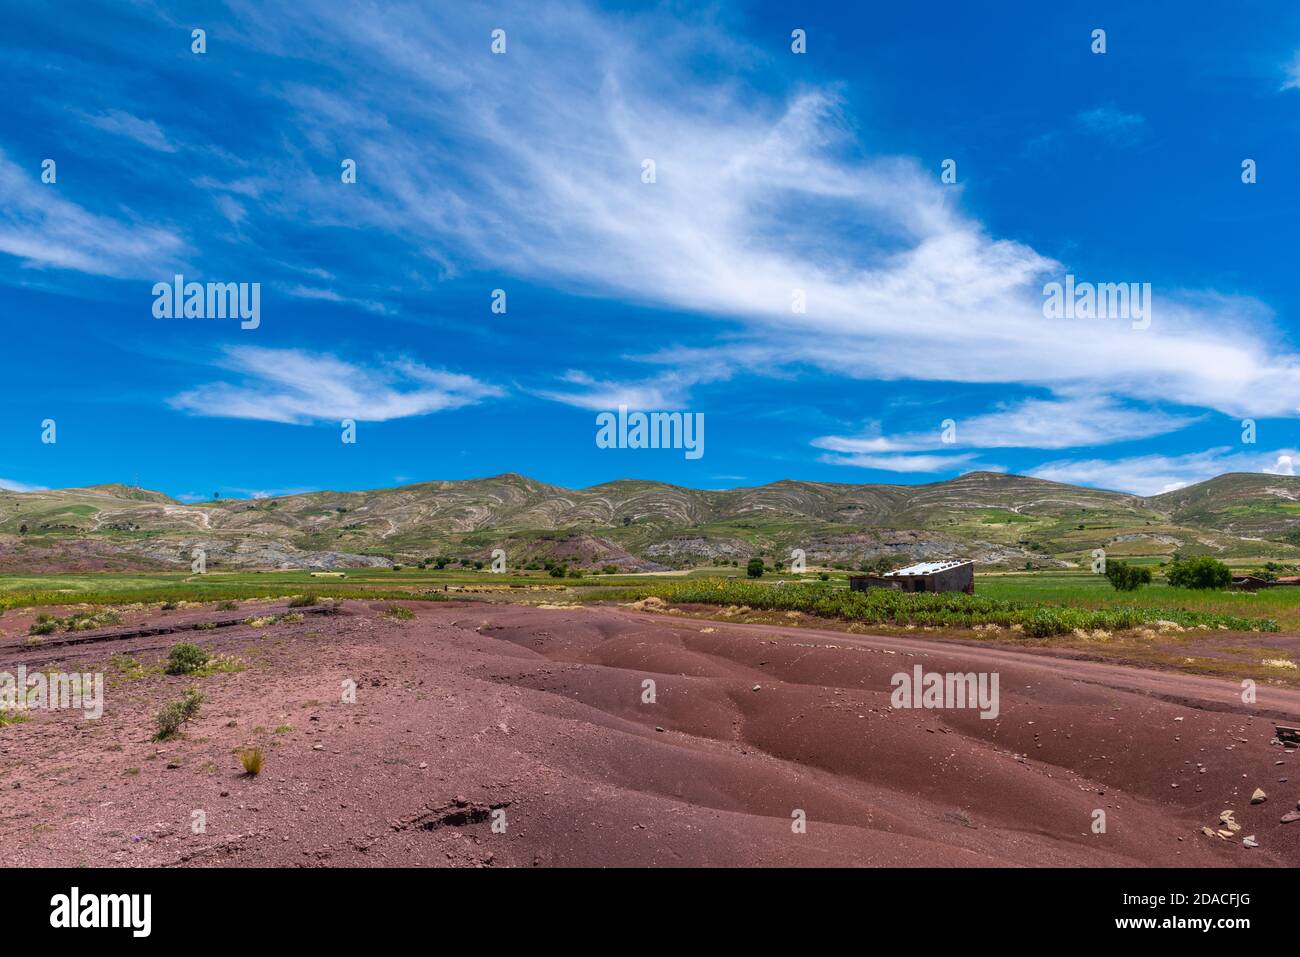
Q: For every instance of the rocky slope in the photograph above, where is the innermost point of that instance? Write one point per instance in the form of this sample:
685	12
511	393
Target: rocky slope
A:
994	518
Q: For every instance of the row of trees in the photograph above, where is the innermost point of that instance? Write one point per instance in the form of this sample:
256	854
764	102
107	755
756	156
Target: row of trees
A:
1200	572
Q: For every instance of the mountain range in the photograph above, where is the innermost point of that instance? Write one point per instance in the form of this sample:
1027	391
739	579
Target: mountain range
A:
994	518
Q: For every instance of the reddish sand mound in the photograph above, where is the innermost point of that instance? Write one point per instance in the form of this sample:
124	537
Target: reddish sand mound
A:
498	734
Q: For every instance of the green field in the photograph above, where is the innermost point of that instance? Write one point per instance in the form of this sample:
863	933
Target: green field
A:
111	588
997	595
884	606
1084	590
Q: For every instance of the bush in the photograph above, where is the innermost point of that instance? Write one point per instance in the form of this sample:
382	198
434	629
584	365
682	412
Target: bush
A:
399	613
935	609
173	715
251	759
755	568
557	571
184	658
302	601
1126	577
1199	572
80	621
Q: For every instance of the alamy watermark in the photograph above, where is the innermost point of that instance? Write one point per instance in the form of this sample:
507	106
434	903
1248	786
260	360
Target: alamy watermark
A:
651	430
1102	300
932	690
75	909
53	690
179	299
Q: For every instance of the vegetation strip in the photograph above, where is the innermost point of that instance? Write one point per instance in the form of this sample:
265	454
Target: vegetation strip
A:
884	606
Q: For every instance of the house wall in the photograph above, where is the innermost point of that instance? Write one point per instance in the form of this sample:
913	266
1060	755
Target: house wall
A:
961	578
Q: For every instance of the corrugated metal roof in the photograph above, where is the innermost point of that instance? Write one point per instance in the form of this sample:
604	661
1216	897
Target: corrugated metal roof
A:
926	568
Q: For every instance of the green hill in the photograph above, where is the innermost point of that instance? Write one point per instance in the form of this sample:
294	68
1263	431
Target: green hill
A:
994	518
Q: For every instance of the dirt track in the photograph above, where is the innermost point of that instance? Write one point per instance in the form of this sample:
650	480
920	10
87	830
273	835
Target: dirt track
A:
538	713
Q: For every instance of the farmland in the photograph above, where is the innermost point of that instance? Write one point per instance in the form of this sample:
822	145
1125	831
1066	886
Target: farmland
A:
997	597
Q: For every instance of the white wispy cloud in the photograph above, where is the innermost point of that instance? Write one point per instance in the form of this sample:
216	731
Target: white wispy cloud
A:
145	132
1108	121
297	387
1057	423
40	227
753	200
330	295
1153	474
666	390
1292	74
11	486
591	393
902	462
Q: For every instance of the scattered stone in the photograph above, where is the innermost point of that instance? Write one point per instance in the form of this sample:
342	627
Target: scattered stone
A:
1259	797
1249	841
1290	816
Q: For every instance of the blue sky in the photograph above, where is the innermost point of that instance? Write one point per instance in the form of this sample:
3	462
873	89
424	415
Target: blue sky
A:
775	172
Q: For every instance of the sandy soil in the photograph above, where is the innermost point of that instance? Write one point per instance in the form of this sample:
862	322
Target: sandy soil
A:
472	715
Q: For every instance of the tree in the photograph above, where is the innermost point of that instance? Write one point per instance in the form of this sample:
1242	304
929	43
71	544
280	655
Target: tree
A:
755	568
22	529
1199	572
1126	577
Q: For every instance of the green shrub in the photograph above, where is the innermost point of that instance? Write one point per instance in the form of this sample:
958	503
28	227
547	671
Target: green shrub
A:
79	621
940	610
399	613
251	759
1125	577
1199	572
173	715
184	658
302	601
755	568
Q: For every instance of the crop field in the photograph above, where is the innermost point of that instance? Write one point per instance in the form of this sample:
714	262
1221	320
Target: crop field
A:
1041	603
1035	619
410	583
1084	590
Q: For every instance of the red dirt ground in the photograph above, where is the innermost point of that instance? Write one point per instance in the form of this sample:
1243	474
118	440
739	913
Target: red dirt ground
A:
538	713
